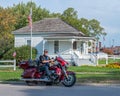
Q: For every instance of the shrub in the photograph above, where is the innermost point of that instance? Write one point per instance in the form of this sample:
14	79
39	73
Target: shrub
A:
113	65
22	53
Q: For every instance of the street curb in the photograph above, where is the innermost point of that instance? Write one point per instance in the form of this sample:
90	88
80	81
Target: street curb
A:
97	84
12	82
77	83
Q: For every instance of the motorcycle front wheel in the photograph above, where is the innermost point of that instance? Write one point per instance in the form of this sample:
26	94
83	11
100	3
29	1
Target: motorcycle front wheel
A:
70	81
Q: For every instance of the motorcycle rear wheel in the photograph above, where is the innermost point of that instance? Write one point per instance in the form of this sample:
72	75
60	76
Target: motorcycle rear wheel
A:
70	81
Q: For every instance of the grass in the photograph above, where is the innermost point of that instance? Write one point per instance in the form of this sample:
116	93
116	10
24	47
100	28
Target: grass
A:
94	69
98	77
96	74
103	61
7	74
83	73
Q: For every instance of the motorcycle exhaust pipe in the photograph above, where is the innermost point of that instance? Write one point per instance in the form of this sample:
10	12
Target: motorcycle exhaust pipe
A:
31	79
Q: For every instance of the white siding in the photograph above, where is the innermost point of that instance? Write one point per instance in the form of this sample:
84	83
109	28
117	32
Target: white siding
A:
49	45
19	41
37	42
64	45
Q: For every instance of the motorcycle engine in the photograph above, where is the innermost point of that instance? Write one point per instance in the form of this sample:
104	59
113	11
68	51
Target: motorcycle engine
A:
54	74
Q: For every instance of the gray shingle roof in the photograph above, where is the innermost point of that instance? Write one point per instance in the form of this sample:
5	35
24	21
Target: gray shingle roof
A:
49	25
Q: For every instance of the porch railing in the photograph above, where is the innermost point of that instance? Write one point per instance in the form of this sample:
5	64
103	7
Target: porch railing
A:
93	58
69	51
75	59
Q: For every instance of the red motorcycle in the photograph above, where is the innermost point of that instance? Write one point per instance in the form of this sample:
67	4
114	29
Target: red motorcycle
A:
34	74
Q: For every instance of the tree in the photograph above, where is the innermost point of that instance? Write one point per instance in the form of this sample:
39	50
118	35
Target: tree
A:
7	22
21	11
70	13
88	27
70	16
95	29
57	15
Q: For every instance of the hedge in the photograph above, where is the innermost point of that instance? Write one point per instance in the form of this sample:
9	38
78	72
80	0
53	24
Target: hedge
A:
22	53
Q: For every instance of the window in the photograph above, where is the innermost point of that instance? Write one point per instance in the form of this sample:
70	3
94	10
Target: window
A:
74	45
56	46
29	42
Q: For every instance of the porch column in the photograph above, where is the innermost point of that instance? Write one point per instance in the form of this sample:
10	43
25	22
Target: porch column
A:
86	47
81	47
94	46
91	46
72	44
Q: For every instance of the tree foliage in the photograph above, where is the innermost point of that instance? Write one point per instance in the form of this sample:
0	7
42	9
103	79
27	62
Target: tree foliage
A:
7	22
88	27
22	11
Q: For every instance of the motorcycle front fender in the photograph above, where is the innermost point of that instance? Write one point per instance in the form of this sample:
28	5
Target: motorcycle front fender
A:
70	72
67	73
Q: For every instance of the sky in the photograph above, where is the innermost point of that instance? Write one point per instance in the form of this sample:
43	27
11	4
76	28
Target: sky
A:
107	12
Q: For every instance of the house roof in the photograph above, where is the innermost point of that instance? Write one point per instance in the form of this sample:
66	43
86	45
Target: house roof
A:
49	25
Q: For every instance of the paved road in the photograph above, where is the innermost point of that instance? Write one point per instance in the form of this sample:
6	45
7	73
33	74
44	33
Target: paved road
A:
23	90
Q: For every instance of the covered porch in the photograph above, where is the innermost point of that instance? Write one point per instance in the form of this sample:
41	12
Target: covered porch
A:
71	48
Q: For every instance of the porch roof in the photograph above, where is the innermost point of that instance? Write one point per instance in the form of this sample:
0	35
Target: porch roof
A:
67	38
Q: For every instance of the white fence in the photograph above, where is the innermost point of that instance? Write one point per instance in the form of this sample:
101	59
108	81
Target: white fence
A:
9	61
114	57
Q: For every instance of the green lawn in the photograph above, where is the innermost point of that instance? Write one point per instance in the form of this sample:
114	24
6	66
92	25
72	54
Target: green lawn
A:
83	73
98	77
93	69
7	74
96	74
103	61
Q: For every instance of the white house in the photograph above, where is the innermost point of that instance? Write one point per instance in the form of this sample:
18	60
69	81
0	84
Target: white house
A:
57	36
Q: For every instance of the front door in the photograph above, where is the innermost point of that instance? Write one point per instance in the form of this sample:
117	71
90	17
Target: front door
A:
75	45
